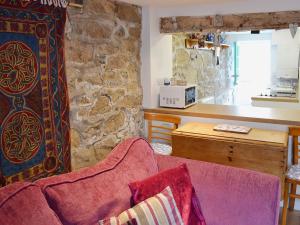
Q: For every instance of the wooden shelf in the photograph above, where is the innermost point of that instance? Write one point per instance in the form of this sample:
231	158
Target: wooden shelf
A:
208	45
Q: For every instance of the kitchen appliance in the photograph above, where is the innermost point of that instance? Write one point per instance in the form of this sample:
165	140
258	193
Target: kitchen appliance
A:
177	96
284	91
280	92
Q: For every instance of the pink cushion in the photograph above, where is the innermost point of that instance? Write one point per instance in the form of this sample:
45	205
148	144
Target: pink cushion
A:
160	209
24	204
85	196
179	180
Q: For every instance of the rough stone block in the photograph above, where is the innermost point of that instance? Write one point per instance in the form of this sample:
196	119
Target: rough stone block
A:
102	106
79	52
100	7
130	101
114	123
93	30
115	94
112	79
128	12
117	62
84	101
182	57
135	32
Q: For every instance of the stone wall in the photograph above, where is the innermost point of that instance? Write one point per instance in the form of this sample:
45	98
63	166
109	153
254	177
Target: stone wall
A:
199	67
103	70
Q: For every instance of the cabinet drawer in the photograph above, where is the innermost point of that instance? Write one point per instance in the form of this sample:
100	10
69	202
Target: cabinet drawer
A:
264	158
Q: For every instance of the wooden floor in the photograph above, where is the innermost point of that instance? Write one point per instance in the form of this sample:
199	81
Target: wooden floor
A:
293	218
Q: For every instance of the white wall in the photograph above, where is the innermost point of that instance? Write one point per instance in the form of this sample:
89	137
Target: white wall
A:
156	57
238	6
287	52
146	58
157	48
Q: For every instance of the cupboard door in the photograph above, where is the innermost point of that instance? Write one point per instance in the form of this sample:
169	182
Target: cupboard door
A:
199	149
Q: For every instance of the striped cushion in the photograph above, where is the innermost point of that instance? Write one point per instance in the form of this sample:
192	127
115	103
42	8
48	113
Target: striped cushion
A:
160	209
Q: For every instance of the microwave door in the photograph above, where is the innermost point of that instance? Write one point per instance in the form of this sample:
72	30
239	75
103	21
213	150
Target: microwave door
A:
190	95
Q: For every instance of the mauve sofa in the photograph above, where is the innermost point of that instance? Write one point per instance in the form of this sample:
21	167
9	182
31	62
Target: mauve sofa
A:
228	196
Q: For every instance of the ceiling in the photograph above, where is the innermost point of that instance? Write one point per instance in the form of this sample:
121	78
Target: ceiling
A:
178	2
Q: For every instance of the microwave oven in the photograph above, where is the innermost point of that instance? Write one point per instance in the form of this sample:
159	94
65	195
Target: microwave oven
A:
177	96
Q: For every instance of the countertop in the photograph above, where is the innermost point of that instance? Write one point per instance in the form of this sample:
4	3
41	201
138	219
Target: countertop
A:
240	113
275	99
255	136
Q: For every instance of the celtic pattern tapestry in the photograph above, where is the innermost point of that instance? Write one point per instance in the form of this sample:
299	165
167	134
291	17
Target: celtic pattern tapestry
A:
34	108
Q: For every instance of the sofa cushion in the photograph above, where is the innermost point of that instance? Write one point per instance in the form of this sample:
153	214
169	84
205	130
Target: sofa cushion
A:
231	195
179	180
160	209
83	197
23	204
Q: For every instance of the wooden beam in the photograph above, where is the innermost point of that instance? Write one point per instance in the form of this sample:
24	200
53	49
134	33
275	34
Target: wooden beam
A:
232	22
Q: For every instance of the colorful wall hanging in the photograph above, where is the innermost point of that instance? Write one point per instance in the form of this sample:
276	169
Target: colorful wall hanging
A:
34	108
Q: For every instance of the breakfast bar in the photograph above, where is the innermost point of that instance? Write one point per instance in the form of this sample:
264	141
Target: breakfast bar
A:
265	148
239	113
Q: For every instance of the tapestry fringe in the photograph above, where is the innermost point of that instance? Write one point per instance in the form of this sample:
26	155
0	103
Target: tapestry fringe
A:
56	3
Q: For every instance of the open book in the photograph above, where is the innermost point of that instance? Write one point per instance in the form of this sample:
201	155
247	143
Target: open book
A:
232	128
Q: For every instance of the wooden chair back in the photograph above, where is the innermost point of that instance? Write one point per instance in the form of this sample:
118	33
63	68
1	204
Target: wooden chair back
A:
295	133
161	131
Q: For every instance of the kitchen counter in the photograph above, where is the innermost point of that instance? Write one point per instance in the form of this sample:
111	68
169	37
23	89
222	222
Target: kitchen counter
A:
275	99
240	113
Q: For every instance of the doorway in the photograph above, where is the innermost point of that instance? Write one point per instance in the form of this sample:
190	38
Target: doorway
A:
253	69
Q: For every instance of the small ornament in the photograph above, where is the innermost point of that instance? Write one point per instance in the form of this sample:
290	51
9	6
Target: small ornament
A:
293	29
218	21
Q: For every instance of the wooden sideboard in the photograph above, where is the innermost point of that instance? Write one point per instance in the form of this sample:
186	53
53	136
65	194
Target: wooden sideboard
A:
260	150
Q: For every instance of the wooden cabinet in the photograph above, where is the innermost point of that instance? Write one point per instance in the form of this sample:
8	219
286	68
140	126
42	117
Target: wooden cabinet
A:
260	150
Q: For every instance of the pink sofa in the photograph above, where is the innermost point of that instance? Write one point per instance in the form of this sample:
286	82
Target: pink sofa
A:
228	196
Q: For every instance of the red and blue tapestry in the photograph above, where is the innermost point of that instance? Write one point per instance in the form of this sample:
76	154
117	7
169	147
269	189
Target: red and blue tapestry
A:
34	107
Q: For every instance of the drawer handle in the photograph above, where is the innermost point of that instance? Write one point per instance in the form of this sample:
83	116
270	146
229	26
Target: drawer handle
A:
229	159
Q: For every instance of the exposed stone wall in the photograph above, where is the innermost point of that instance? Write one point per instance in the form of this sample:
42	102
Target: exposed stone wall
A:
103	70
199	67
